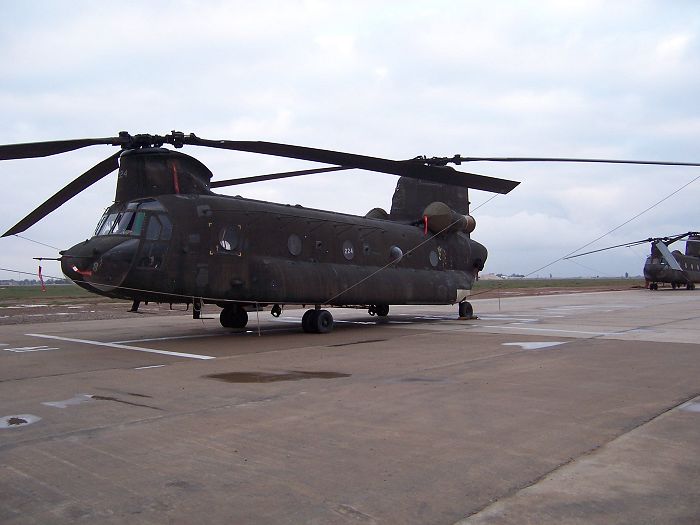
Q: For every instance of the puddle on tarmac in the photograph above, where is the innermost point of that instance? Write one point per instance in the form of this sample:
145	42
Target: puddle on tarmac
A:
18	420
265	377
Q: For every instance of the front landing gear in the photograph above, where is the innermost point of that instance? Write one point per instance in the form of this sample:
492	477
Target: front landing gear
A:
466	311
317	321
233	316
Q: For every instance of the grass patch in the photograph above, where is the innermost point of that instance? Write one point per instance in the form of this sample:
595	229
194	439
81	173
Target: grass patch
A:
54	293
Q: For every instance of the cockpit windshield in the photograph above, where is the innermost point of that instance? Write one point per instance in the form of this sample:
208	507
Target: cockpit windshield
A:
125	222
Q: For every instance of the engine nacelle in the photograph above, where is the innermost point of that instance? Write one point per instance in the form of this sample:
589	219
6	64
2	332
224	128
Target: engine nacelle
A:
441	218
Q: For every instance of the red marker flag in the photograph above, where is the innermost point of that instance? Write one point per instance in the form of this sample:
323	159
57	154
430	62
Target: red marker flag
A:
41	279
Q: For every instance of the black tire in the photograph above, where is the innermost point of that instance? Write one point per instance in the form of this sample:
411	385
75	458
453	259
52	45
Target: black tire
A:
240	318
382	310
224	317
323	322
307	321
233	317
466	311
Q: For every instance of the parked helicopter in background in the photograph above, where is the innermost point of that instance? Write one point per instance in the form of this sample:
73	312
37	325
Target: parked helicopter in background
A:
665	266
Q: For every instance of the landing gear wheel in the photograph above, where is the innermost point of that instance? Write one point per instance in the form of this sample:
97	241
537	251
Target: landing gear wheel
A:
317	322
690	286
323	322
653	286
307	321
233	317
382	310
465	310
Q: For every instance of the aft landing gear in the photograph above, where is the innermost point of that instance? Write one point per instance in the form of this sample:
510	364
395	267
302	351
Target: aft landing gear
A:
317	321
233	316
380	310
466	311
654	286
690	286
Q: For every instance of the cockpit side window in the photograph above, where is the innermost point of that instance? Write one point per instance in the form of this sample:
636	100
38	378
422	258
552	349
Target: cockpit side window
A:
153	229
159	227
106	224
125	223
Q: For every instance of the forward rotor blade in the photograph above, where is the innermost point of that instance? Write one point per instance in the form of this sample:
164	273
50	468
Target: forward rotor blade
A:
272	176
45	149
69	191
667	256
408	168
459	158
610	248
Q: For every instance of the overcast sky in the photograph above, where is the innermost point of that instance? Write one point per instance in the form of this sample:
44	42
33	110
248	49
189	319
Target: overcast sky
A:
390	79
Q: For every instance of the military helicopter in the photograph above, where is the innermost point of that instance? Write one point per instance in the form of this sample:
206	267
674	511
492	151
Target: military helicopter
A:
665	266
168	238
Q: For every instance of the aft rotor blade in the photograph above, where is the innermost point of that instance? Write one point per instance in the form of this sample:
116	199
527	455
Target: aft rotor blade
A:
610	248
416	168
69	191
45	149
272	176
459	158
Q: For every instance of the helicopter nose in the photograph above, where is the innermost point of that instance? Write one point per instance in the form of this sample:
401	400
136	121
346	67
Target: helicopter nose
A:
100	265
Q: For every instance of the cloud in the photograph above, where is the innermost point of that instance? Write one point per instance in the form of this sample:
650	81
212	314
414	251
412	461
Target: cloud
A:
392	79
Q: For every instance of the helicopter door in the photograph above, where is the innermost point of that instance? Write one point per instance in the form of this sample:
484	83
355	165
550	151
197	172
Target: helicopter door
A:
154	248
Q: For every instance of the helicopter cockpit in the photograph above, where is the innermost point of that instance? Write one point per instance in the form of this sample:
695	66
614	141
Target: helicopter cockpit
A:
118	220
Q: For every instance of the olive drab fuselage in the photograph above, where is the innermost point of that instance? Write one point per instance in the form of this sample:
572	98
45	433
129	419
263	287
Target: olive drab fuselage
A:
168	238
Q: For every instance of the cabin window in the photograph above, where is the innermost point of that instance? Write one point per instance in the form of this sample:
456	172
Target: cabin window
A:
230	239
294	244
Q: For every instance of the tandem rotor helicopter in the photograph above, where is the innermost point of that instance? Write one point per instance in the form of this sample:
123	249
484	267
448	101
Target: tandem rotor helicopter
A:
168	238
665	266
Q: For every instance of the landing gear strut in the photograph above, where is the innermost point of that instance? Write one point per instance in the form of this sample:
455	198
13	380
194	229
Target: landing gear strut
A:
233	316
317	321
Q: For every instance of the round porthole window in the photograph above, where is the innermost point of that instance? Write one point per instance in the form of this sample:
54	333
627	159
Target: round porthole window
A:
395	253
294	244
348	250
433	258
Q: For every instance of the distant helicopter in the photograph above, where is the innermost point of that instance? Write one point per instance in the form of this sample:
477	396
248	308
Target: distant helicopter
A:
664	266
168	238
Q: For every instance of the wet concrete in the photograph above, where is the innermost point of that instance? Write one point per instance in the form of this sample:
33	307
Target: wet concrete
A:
566	409
263	377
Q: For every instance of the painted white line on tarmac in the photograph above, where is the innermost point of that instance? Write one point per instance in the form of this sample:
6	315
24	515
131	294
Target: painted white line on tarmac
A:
123	347
172	338
550	330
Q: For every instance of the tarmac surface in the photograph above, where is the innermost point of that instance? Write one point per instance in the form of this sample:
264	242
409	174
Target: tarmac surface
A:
572	408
